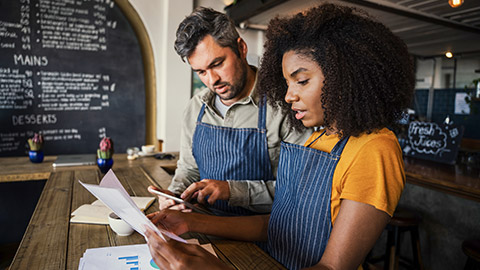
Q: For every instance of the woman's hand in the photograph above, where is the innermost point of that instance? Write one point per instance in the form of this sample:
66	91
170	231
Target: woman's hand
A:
171	220
172	254
215	189
165	203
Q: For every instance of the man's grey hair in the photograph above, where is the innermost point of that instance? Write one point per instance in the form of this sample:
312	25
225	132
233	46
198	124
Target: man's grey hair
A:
202	22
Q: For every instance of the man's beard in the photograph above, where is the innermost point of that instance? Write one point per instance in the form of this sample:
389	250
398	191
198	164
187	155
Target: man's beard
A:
236	88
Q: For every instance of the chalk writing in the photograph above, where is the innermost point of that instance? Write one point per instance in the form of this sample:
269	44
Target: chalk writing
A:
433	141
34	119
9	140
427	138
30	60
16	89
72	91
70	25
71	69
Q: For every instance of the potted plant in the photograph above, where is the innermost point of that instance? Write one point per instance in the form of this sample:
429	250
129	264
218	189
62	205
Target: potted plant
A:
104	155
36	148
473	95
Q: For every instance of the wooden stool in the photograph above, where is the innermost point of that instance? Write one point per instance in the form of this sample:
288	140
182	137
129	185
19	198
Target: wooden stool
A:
471	248
402	221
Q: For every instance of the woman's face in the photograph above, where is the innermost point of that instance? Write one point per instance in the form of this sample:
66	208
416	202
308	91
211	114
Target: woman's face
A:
305	83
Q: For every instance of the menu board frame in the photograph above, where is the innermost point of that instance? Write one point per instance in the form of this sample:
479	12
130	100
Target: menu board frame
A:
148	67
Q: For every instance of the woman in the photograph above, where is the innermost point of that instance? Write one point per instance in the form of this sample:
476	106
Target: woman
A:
333	68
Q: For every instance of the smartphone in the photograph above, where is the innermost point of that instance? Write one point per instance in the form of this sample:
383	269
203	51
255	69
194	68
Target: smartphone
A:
178	200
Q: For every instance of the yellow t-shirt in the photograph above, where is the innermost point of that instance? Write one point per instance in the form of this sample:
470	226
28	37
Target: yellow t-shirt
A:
370	170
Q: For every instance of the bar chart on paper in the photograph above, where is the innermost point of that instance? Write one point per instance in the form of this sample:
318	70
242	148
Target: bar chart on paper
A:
130	261
132	257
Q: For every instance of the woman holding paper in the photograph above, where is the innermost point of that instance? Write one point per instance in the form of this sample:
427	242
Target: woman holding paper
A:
334	68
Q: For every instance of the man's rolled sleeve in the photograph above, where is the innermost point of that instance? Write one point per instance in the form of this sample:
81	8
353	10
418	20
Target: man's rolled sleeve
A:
238	193
255	195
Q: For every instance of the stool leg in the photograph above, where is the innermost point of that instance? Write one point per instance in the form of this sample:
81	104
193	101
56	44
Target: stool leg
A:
390	248
398	242
417	257
393	246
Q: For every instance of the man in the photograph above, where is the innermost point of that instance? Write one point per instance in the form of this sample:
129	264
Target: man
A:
230	139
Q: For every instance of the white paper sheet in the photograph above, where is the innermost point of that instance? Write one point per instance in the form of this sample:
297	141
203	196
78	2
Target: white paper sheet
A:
112	194
124	257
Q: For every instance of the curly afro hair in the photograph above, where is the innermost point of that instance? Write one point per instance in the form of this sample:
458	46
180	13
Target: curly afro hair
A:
369	78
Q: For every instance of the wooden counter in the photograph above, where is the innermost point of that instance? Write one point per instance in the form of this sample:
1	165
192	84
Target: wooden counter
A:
459	179
51	242
21	169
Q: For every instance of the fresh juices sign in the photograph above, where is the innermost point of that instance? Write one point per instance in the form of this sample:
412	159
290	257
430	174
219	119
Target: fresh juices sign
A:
432	141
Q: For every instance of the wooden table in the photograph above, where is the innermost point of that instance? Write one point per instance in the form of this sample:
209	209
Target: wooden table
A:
51	242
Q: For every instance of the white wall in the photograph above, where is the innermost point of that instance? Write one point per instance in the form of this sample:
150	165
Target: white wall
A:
253	38
425	73
465	73
173	77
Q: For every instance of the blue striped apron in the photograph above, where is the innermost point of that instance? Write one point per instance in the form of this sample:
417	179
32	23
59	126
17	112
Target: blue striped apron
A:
300	222
224	153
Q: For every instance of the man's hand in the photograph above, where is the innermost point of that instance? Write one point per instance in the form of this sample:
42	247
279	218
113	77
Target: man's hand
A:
172	254
164	203
216	189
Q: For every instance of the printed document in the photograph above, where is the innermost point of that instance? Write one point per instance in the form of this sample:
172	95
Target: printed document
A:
112	194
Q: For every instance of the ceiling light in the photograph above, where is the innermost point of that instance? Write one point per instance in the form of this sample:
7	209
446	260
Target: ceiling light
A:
455	3
449	54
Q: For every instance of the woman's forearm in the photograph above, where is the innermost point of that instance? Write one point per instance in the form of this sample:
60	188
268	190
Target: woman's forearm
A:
245	228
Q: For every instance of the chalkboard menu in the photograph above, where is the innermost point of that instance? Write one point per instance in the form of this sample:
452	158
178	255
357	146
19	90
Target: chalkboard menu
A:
432	141
72	70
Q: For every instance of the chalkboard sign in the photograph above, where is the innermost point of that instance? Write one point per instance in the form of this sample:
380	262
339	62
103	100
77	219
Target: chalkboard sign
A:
72	70
432	141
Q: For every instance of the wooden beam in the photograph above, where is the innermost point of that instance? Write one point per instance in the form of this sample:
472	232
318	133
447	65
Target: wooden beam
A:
414	14
244	10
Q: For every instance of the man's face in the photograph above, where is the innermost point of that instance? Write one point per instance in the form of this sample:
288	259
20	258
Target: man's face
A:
220	69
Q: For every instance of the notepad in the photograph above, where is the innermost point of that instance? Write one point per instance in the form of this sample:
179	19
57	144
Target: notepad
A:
97	212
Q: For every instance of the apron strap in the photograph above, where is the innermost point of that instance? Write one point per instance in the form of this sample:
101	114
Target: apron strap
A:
262	114
200	114
338	148
316	138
